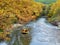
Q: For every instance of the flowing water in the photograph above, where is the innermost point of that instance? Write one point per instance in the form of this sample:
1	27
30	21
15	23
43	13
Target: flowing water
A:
41	33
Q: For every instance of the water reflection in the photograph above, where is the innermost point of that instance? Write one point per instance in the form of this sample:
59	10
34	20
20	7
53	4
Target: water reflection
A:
20	38
44	33
3	43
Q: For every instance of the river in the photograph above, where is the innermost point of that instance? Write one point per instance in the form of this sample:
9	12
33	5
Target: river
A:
42	33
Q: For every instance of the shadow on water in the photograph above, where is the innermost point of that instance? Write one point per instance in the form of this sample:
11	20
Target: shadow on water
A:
41	33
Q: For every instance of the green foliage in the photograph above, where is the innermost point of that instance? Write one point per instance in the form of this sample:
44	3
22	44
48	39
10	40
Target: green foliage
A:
54	12
46	1
1	30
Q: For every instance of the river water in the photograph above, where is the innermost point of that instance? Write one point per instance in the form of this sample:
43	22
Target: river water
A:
42	33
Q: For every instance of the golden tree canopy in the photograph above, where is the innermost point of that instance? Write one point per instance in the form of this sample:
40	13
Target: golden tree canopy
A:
21	11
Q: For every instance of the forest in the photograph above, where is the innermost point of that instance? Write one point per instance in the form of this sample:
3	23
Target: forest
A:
25	11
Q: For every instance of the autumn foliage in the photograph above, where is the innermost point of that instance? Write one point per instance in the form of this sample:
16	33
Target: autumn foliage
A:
18	11
54	12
